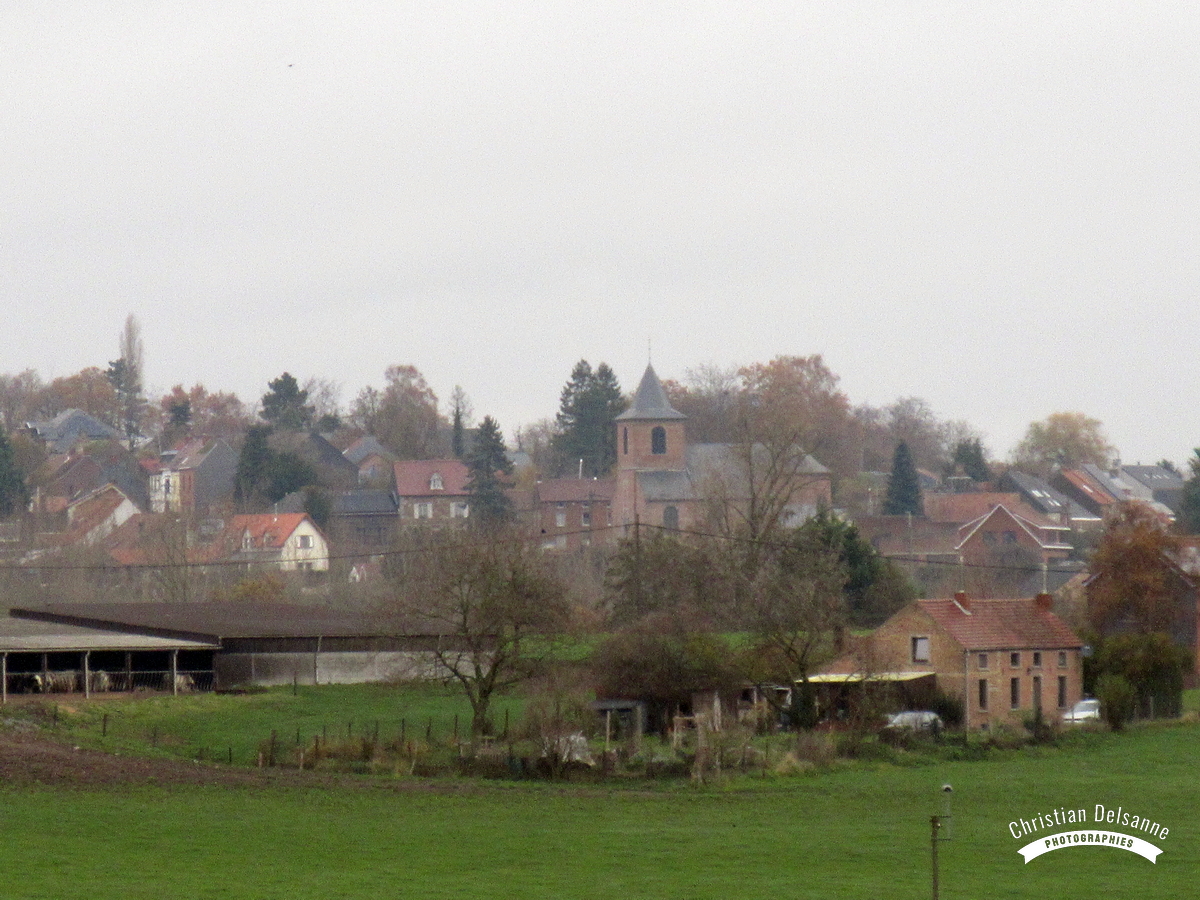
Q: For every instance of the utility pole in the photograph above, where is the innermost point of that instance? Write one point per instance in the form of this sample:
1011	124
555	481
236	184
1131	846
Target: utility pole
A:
936	836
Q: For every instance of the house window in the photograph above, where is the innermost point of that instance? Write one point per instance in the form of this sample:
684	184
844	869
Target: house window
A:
1014	660
435	482
1010	537
658	440
1062	691
304	542
459	509
1062	659
586	515
1014	693
423	510
983	661
983	692
920	649
247	541
625	440
560	516
1037	659
304	566
1037	692
989	538
671	518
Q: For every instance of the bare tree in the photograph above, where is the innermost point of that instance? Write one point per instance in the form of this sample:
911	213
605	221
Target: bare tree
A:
491	602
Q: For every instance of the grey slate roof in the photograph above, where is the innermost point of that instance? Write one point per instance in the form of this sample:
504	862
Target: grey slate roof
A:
62	432
650	402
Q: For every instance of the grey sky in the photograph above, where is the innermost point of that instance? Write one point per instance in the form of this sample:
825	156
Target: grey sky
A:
990	206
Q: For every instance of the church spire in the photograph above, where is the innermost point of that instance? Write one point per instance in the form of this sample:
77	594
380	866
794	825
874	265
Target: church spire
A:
650	401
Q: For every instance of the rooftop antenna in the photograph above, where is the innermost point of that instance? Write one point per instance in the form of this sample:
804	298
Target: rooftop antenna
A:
650	351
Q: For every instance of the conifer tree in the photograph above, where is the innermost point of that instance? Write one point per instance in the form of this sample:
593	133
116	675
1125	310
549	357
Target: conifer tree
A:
590	403
489	468
904	485
14	494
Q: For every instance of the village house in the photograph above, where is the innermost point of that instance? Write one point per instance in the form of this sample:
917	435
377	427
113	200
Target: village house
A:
1005	660
432	490
193	477
574	512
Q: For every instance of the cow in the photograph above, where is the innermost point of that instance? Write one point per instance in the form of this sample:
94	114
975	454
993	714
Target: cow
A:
99	682
56	682
182	683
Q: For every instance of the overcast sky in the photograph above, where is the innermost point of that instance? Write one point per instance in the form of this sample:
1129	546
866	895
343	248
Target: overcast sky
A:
994	207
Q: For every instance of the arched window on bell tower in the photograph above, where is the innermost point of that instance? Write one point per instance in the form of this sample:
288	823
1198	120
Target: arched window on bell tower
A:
658	440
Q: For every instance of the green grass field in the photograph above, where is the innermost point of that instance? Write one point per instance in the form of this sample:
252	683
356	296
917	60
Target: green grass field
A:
861	831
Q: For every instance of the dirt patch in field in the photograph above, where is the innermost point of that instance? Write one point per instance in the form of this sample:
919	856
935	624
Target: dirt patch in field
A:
27	759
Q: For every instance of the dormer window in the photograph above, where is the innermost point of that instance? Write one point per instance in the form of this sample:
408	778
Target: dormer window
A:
247	541
435	482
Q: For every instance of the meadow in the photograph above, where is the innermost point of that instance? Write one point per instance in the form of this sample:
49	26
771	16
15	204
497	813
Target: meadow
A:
854	830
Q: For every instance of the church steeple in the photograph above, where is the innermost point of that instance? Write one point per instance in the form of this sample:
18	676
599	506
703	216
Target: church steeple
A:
650	433
650	401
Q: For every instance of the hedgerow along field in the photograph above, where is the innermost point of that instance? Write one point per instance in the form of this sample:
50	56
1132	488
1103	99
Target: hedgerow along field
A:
857	830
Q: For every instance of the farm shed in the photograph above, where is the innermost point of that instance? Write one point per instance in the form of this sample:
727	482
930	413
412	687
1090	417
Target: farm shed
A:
48	657
264	643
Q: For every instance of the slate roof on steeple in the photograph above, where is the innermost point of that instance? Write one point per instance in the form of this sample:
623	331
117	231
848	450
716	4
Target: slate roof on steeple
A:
650	402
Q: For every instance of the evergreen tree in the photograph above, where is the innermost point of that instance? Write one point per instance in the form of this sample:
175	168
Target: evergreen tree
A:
586	420
252	468
14	495
1189	501
968	458
489	466
904	485
285	404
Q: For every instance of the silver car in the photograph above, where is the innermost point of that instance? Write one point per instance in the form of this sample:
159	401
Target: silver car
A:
1083	711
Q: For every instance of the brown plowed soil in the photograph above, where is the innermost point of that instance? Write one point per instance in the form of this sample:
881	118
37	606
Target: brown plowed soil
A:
27	759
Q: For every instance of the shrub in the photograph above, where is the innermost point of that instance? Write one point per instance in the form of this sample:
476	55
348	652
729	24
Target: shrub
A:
1117	698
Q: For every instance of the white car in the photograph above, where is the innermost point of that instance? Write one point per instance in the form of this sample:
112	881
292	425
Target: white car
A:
1083	711
915	721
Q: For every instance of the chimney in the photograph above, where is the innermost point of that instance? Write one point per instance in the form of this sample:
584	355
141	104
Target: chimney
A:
1044	601
961	600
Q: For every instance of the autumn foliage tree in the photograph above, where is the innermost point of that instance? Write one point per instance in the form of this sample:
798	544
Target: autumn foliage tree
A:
1064	440
1136	578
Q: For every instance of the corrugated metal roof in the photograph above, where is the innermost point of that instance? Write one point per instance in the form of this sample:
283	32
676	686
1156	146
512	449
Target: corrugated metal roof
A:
216	621
26	635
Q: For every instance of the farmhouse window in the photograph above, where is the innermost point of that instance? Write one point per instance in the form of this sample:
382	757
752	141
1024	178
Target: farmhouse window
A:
304	542
1014	693
1062	659
1014	660
1037	692
983	692
1037	659
1062	691
920	649
983	661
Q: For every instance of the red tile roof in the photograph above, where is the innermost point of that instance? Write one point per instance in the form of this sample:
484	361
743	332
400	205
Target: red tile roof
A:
572	490
1000	624
413	477
268	531
963	508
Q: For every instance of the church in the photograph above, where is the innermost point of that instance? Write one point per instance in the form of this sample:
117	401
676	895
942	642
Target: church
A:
664	480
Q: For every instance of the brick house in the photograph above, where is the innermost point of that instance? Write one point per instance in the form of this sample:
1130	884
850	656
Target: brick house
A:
193	477
574	512
432	490
1003	658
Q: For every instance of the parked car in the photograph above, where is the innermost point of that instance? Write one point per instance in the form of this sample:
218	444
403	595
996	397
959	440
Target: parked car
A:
1083	711
922	720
